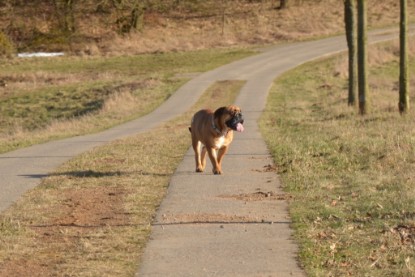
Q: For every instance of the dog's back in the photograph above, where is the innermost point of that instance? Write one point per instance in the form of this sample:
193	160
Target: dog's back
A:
199	122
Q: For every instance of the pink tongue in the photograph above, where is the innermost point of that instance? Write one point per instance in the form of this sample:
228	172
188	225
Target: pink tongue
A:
239	127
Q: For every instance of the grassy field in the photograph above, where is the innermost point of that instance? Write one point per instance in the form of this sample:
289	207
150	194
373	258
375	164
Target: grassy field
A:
92	217
351	177
43	99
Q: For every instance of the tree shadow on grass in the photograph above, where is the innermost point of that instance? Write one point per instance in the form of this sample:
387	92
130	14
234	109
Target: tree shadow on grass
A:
94	174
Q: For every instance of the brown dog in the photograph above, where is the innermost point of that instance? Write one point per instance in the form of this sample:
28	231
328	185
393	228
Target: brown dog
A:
214	130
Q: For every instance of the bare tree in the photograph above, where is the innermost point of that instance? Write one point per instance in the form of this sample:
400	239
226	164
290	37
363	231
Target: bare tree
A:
130	14
403	75
349	18
65	14
362	57
283	4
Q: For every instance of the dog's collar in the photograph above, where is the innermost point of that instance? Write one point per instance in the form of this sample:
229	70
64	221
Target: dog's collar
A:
217	129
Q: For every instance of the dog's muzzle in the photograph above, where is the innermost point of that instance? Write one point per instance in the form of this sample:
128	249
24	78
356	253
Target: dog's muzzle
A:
236	122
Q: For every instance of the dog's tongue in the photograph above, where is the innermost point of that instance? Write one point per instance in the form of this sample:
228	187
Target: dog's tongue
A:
239	127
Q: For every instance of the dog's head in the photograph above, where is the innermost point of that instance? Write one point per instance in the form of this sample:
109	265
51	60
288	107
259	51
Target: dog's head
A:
232	117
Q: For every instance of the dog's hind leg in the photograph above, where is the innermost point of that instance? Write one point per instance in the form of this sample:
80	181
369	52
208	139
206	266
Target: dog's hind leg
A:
196	147
203	157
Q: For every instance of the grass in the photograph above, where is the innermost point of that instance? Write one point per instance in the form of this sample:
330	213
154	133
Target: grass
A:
92	217
250	23
44	99
171	25
351	177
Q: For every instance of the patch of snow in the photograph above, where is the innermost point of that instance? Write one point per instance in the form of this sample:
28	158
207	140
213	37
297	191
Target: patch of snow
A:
40	54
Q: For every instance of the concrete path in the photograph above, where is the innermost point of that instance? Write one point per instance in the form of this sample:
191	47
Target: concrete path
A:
208	225
234	224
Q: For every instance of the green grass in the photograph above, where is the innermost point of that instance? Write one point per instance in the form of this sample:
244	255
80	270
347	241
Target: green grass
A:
45	99
352	177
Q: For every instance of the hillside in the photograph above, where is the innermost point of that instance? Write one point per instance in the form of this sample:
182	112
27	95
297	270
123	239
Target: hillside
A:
114	27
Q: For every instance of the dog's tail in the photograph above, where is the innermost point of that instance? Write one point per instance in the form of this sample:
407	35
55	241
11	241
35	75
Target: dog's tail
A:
190	128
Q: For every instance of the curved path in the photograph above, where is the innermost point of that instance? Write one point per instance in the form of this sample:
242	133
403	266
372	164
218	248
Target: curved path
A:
204	226
22	169
236	224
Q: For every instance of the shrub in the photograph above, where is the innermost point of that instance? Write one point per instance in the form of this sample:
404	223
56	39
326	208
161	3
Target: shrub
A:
6	46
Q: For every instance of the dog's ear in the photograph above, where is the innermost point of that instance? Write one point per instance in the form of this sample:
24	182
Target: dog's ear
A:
219	112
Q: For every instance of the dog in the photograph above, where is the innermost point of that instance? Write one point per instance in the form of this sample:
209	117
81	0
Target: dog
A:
212	132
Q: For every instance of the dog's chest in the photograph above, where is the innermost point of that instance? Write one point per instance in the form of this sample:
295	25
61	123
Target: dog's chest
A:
219	142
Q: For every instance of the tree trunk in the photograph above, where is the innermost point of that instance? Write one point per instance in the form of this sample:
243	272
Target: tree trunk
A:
283	4
130	15
403	75
65	14
349	18
362	58
223	17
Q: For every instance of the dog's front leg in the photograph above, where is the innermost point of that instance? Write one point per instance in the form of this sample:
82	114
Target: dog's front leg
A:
221	153
216	169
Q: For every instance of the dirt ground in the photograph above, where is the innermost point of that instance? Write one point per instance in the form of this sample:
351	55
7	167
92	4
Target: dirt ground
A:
83	212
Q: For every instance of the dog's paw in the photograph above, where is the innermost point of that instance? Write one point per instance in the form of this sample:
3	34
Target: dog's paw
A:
217	171
199	169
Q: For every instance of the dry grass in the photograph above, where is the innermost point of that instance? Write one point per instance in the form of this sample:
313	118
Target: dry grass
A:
245	23
170	25
72	96
92	216
351	177
378	56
